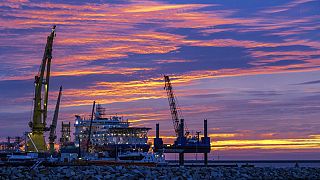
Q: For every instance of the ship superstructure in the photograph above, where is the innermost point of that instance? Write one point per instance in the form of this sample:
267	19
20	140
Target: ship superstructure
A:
109	134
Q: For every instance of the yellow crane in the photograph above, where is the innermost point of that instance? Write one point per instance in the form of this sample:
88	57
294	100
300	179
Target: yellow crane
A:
36	141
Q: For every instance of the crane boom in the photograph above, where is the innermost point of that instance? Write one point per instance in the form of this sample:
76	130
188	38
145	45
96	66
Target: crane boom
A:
172	104
90	127
53	126
38	124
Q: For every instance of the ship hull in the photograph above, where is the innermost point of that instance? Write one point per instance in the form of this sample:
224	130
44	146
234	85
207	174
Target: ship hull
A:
112	148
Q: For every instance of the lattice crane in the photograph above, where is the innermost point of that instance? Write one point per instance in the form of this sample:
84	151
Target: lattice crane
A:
175	114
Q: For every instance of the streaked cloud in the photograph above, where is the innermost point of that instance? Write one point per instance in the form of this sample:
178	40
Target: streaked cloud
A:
220	57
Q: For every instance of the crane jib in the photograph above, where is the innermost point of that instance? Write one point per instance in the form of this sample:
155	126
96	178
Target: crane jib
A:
172	104
41	94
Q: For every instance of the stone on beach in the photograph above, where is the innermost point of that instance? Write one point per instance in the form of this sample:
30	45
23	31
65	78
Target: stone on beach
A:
140	172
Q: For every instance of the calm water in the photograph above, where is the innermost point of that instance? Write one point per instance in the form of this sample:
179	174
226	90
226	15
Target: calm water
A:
257	163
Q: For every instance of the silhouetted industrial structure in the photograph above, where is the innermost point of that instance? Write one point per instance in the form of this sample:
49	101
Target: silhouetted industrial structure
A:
65	133
12	144
53	136
183	143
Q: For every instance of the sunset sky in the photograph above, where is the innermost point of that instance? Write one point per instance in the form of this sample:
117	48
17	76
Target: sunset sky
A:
250	67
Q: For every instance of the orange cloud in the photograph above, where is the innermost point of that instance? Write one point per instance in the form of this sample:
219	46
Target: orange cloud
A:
152	7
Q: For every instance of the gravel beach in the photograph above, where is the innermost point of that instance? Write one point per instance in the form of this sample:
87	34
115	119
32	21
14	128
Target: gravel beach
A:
138	172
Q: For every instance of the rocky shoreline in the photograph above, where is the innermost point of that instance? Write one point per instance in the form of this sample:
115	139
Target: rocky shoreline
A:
139	172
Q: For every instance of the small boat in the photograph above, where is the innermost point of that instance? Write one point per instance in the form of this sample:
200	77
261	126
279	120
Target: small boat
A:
141	157
22	160
133	156
19	158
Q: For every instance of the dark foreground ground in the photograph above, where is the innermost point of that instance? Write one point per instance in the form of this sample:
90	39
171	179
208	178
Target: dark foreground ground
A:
134	172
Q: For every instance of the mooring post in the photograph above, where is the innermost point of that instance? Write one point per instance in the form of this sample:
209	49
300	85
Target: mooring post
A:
181	158
157	131
205	159
181	142
205	128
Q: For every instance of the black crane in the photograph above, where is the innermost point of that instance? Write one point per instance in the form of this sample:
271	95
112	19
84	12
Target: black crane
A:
53	136
172	103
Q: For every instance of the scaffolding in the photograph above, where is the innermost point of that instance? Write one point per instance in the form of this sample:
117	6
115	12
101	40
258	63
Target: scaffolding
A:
65	133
